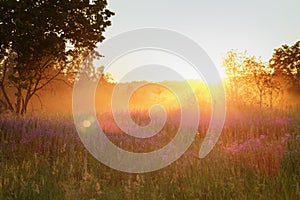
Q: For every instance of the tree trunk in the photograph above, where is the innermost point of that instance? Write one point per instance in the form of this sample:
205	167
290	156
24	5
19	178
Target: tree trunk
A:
271	98
18	103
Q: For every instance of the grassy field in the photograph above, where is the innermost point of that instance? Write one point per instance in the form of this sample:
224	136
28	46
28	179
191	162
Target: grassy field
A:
257	157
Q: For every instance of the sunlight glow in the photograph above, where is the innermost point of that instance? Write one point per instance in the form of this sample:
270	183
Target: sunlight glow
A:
126	66
86	123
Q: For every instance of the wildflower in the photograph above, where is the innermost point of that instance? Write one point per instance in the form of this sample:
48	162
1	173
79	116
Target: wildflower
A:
283	140
262	136
281	121
289	119
258	142
243	146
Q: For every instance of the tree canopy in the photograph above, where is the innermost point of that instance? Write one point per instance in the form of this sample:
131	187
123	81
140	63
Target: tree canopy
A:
286	62
43	39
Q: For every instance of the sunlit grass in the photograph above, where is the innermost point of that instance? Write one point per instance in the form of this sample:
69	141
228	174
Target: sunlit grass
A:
257	157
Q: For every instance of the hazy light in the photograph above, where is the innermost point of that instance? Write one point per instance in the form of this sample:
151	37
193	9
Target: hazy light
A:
154	73
86	123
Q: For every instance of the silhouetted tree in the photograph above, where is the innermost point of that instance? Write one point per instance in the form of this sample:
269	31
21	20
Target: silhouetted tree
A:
286	63
42	40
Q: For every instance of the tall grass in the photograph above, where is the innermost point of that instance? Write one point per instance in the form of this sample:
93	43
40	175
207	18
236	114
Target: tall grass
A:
257	157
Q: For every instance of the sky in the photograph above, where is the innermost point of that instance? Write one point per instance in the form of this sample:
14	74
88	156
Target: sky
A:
218	26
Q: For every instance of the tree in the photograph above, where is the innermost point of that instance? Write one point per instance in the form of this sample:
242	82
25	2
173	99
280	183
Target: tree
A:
42	40
234	69
261	75
286	63
249	78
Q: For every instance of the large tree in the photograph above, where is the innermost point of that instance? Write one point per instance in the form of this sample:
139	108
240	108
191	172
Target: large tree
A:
41	40
286	62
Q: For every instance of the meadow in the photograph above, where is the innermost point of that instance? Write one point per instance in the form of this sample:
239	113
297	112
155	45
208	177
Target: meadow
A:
257	157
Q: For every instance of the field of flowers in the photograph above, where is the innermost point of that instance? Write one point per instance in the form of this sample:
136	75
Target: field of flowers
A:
257	157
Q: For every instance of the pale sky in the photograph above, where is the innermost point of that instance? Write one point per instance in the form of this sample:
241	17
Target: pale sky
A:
218	26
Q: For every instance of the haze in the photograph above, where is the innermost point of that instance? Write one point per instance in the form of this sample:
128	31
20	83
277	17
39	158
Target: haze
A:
217	26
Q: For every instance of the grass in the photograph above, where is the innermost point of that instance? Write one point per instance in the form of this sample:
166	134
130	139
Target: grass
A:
257	157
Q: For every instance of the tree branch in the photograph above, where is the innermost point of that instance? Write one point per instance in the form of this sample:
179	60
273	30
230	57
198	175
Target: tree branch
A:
49	80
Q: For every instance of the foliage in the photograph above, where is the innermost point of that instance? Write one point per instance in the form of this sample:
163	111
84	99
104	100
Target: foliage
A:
286	62
262	75
249	78
233	63
42	40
